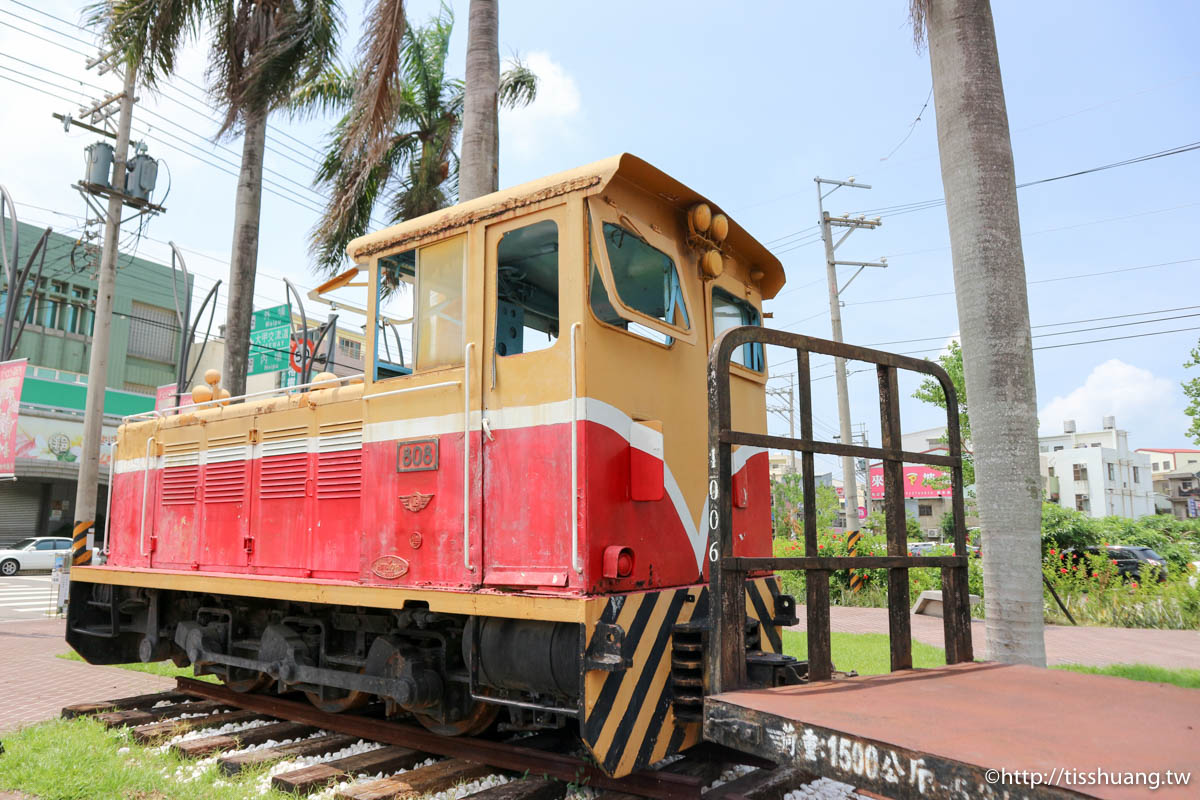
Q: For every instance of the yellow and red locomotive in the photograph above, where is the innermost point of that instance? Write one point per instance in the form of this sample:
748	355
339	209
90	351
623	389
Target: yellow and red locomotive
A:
506	513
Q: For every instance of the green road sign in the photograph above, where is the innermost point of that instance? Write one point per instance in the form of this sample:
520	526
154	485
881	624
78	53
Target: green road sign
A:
270	340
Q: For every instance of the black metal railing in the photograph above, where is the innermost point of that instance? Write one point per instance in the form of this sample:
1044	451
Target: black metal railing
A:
726	666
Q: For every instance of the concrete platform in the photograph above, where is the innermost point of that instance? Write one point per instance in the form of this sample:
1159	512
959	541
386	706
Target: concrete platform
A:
948	732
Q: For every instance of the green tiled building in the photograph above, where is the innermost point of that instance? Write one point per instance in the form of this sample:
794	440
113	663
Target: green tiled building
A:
59	315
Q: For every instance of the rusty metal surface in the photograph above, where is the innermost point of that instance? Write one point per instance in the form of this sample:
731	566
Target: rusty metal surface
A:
661	785
936	733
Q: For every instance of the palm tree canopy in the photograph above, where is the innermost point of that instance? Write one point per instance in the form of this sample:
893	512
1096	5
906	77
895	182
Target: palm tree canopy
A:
414	168
261	50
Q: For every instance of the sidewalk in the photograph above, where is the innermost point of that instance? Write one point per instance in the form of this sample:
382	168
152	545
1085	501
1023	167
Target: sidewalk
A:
1064	644
35	685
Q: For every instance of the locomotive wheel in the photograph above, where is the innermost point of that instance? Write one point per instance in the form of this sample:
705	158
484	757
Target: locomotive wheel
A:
477	720
245	681
337	701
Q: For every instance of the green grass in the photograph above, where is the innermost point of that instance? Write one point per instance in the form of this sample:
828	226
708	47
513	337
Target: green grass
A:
1187	678
80	759
164	668
867	653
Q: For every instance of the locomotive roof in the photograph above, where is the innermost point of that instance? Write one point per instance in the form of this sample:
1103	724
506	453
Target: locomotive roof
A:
591	178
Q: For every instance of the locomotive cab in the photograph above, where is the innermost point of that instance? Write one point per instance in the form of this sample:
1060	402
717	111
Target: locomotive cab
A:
506	512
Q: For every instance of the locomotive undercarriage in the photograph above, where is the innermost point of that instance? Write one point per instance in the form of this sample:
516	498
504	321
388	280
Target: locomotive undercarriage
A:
453	673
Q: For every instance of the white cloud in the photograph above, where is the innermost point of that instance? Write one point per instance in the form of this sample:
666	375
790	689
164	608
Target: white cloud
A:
549	121
1143	403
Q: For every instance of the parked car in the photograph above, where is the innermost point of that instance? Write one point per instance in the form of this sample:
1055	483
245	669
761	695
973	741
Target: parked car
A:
921	548
34	553
1132	561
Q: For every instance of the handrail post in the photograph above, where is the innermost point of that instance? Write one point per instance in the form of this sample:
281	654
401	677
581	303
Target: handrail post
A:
575	562
466	544
145	488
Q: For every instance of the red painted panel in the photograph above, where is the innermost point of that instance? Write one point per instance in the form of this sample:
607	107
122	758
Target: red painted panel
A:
125	518
177	525
527	507
645	475
280	514
417	517
663	553
225	525
337	531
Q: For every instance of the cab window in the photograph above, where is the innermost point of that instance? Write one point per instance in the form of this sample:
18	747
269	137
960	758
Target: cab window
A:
734	312
419	309
527	289
645	281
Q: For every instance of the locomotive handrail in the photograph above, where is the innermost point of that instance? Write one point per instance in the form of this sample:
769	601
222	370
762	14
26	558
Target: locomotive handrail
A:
726	661
575	326
467	456
112	459
145	486
408	389
247	396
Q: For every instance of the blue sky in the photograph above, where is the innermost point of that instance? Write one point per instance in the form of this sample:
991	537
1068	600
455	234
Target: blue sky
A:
747	105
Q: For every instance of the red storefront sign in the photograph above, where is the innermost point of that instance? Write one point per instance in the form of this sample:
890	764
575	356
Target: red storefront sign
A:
918	482
12	378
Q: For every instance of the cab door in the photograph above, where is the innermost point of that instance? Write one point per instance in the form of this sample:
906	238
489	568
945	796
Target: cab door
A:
527	534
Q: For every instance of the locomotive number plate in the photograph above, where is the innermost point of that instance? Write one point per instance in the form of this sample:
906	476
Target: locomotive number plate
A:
417	455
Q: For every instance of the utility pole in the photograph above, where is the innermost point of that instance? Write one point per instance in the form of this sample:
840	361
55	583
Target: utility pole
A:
788	396
849	475
89	465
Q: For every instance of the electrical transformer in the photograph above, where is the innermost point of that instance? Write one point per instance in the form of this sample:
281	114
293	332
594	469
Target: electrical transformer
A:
99	160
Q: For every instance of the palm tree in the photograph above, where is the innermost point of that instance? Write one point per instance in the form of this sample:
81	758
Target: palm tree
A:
261	51
481	136
414	167
993	313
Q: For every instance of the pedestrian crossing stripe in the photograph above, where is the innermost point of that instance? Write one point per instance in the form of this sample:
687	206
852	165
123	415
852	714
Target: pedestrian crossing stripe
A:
629	721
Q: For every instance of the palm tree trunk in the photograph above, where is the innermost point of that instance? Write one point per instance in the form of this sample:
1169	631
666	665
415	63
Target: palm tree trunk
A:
243	261
993	313
479	166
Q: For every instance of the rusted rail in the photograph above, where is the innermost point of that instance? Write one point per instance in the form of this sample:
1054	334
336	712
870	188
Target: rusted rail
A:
500	755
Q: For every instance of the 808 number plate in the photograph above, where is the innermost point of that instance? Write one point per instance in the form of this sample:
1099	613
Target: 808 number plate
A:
417	455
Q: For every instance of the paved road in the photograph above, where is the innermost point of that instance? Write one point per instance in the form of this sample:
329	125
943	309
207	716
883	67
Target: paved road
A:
1065	644
25	596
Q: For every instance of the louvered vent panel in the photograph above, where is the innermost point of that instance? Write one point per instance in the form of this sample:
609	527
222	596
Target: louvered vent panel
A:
225	477
179	485
284	463
339	460
181	473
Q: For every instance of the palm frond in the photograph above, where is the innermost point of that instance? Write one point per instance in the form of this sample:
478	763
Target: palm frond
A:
329	92
918	13
518	84
378	77
148	33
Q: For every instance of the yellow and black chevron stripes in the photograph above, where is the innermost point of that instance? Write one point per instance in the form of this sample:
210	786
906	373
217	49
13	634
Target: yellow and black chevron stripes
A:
760	604
80	554
629	721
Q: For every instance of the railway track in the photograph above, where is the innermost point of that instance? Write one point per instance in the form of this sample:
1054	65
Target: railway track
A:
312	753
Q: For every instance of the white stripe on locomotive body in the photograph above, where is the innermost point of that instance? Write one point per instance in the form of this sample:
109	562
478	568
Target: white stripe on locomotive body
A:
510	418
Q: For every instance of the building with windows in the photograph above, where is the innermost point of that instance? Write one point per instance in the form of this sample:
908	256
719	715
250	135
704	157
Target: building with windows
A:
59	317
1095	472
1171	459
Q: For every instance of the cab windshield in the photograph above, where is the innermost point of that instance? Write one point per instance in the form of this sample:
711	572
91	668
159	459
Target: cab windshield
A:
24	543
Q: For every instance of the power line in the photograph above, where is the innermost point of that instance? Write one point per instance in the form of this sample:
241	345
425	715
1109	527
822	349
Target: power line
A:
922	205
1115	338
1031	283
167	120
68	22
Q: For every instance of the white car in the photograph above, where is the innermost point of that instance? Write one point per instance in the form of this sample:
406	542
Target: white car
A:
37	553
